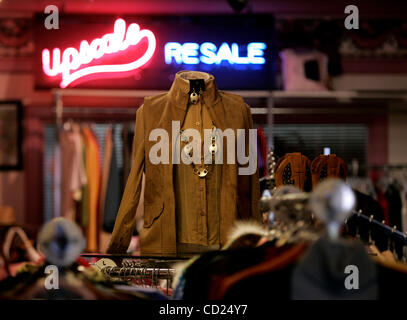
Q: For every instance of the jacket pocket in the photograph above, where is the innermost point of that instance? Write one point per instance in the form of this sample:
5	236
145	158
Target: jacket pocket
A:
152	211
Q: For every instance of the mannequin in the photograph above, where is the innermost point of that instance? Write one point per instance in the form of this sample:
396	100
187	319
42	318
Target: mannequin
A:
189	207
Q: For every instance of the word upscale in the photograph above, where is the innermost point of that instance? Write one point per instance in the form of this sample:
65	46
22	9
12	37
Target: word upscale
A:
110	43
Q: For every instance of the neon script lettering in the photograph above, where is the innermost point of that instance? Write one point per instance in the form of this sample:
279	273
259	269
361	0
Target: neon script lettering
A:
119	40
209	53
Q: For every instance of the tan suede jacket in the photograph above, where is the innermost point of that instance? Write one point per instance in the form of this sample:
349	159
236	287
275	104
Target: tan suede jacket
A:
239	193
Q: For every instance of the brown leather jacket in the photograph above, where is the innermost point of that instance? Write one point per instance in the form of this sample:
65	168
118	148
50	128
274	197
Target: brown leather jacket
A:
239	193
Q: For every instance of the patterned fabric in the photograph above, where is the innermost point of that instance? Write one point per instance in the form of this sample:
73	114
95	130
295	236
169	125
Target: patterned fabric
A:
294	169
328	166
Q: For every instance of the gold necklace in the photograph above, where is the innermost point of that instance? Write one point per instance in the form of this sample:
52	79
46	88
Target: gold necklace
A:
202	171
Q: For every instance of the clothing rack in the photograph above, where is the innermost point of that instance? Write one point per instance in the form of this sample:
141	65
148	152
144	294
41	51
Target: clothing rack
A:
126	256
139	270
98	110
384	229
399	166
394	166
151	273
150	277
382	167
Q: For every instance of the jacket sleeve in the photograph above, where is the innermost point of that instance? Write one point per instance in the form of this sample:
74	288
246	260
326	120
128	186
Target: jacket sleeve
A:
248	185
125	221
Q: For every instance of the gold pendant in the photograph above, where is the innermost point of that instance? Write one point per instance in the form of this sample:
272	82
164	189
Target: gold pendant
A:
194	97
187	150
213	148
201	173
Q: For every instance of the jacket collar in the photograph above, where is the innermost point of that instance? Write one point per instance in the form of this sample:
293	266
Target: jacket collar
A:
178	94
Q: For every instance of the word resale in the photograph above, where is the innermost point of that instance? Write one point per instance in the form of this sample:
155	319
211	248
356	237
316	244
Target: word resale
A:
209	53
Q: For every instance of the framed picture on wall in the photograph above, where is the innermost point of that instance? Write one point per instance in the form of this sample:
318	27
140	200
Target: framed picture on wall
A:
10	135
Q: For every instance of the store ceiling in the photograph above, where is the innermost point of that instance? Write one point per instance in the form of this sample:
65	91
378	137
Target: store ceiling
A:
309	8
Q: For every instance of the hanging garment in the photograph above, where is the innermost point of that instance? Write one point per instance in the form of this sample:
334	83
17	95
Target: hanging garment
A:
113	192
294	169
395	206
83	218
94	180
263	150
400	183
260	163
394	200
239	194
108	150
363	228
57	180
127	136
363	185
104	237
381	199
79	172
67	173
79	180
73	172
328	166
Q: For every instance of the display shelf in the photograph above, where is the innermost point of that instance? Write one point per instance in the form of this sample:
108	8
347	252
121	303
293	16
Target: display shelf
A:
338	95
273	97
144	93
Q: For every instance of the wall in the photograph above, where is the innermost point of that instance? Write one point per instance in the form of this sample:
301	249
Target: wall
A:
397	138
17	187
394	133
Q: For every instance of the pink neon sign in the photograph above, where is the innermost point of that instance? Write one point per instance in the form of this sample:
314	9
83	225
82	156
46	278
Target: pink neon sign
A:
119	40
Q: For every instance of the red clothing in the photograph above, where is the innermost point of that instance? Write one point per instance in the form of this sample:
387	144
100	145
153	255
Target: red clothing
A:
381	199
263	146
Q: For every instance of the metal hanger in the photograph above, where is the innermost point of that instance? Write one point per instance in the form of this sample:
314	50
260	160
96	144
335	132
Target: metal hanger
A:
394	242
357	236
371	241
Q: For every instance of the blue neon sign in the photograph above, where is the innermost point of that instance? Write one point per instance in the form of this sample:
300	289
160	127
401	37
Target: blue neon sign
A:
208	53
